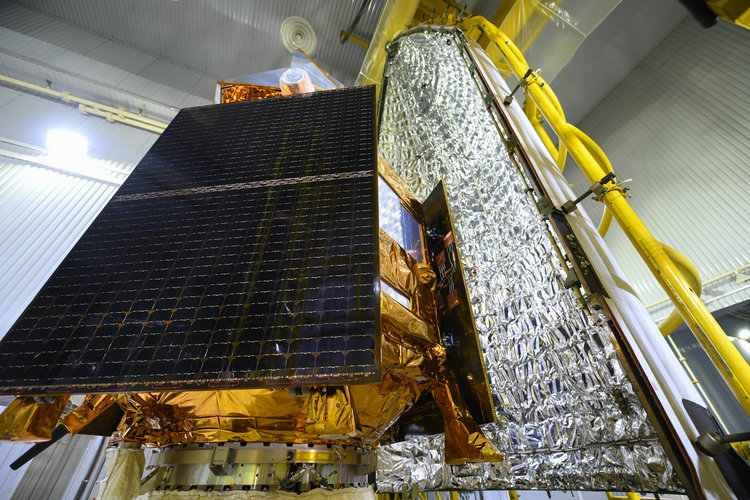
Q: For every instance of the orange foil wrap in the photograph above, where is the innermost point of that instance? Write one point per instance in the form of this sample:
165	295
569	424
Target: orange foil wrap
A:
93	406
26	420
233	92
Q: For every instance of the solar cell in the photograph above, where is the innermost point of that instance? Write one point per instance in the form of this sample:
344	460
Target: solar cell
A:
241	252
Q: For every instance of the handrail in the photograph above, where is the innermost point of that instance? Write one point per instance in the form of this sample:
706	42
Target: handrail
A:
595	165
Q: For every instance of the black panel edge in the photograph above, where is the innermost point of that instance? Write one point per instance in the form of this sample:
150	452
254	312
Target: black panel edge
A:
457	325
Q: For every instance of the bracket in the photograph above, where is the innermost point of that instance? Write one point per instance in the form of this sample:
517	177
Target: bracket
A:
523	82
597	189
220	465
545	206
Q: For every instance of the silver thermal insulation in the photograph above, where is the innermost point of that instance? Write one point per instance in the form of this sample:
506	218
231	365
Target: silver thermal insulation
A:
568	417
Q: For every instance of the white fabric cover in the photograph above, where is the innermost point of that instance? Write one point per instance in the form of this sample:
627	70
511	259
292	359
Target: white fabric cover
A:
124	470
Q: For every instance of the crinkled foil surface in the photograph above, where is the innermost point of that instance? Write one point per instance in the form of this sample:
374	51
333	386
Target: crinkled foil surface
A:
553	371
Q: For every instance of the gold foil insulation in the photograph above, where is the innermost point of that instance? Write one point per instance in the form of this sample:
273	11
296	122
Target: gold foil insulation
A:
93	406
252	415
402	190
233	92
26	420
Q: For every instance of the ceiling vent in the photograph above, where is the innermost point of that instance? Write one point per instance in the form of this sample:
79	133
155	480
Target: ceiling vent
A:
297	33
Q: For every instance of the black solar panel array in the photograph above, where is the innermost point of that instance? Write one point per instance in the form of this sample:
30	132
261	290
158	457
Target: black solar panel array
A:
241	252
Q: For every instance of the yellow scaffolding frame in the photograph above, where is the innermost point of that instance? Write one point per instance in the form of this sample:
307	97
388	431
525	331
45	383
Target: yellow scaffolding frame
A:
595	165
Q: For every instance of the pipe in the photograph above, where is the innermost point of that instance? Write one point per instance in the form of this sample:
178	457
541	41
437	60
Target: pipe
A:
345	34
693	278
87	106
87	484
595	165
688	270
354	39
559	153
605	223
112	117
709	282
395	16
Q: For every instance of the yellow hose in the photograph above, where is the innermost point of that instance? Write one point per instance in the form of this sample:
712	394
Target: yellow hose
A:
605	223
693	278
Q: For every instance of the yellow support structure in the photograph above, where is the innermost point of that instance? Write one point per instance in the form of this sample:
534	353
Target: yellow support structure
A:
629	496
595	166
394	18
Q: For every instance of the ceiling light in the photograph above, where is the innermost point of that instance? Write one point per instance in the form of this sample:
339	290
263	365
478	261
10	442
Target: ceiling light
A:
744	334
67	145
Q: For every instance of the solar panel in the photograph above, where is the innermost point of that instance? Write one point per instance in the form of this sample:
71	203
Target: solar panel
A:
241	252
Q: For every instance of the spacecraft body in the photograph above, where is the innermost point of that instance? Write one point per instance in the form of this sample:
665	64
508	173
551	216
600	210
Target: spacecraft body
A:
270	303
240	302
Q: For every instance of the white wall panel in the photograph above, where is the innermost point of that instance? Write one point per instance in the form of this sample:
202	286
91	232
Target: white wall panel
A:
679	125
9	479
60	470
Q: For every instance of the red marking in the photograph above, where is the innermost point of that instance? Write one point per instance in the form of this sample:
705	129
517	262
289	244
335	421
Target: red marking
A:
229	383
166	387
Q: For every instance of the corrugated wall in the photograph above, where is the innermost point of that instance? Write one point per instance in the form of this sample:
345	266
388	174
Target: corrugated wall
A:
611	52
9	479
44	214
679	125
62	471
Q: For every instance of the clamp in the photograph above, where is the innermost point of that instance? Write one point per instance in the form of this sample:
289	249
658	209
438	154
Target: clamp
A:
523	82
597	189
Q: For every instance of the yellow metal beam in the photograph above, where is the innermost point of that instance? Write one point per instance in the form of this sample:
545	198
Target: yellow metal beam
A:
595	166
354	38
734	11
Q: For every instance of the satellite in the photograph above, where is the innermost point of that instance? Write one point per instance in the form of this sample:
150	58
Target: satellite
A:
302	287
